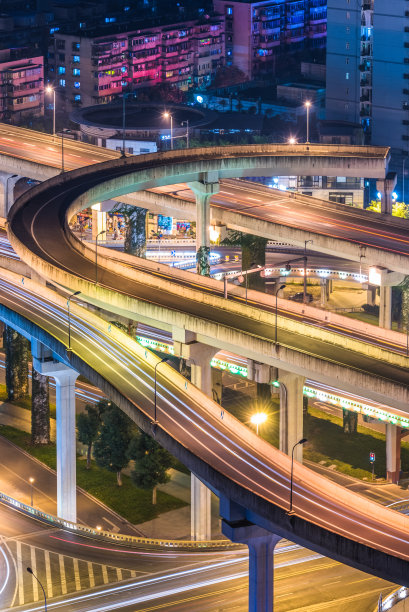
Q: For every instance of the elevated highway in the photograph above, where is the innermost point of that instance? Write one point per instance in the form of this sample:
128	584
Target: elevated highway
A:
241	468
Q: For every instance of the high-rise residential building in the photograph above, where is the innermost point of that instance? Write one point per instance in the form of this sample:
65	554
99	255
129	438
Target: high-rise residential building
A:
21	86
368	68
260	34
89	68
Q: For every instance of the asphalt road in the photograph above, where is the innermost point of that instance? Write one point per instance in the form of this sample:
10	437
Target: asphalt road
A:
244	460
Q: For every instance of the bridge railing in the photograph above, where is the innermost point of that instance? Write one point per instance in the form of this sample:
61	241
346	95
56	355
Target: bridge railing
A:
117	538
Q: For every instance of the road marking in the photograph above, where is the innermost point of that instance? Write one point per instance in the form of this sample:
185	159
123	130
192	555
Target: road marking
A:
91	575
118	574
115	528
337	602
105	574
20	574
63	578
48	573
77	575
34	568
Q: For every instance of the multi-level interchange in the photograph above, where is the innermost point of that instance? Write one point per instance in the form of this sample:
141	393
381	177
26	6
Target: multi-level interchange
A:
251	478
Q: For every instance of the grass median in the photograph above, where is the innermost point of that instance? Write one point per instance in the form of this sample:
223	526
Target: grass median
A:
134	504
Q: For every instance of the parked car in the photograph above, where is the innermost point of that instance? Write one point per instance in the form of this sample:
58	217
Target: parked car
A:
299	297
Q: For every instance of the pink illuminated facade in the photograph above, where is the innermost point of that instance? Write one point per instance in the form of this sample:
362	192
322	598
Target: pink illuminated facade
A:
88	70
21	87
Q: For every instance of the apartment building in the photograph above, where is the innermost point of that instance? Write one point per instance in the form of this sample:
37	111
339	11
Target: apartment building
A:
21	86
88	68
368	68
260	34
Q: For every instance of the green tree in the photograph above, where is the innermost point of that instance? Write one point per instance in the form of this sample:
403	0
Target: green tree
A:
399	209
110	448
135	232
151	463
17	355
40	408
253	251
88	424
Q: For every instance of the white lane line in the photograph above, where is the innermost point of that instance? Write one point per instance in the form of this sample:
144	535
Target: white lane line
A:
77	575
91	575
119	574
63	578
34	568
20	574
48	574
105	574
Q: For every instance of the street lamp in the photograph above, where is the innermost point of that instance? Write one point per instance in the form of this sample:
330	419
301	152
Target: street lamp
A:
403	177
166	116
277	292
258	419
187	132
69	319
155	420
50	89
96	254
307	105
305	270
30	571
292	140
302	441
31	481
63	131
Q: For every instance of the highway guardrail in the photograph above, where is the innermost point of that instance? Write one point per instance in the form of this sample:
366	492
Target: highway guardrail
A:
117	538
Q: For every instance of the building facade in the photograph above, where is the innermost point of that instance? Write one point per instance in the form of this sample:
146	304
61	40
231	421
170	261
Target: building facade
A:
88	69
21	87
368	68
259	34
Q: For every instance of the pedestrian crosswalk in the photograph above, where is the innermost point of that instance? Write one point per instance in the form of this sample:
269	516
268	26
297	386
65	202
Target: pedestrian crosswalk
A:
59	574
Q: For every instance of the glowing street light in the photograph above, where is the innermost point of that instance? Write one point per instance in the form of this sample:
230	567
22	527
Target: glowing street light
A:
307	105
258	419
49	90
292	140
166	115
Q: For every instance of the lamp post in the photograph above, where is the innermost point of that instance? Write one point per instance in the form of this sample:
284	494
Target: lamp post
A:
277	292
63	131
187	132
6	202
155	420
30	571
124	95
50	89
96	254
167	115
403	178
307	105
305	270
69	318
31	481
302	441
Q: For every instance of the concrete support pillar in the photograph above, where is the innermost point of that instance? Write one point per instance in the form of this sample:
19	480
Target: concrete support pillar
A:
386	187
99	222
199	357
385	307
291	412
371	295
393	447
7	182
65	378
204	190
261	544
324	291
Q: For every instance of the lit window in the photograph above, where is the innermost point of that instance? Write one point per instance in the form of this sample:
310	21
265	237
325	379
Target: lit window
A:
77	97
76	71
347	75
62	82
61	69
229	10
76	59
77	84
